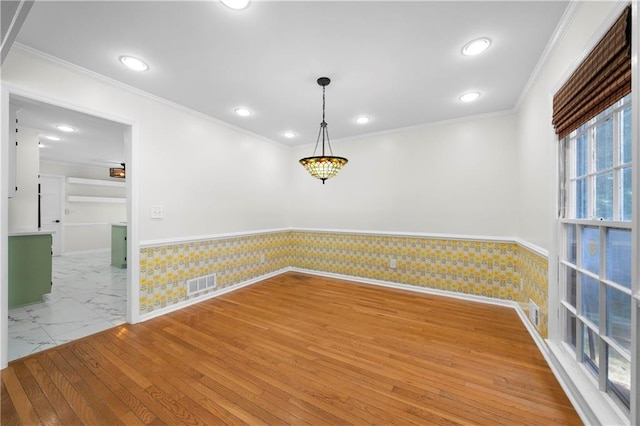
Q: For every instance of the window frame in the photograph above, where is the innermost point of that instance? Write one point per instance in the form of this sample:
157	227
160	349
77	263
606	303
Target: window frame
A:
589	129
595	406
567	217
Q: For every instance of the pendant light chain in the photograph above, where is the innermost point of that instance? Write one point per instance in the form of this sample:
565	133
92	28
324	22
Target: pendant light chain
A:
323	167
325	128
323	125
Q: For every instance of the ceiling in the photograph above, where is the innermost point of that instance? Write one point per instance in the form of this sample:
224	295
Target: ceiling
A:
399	63
94	141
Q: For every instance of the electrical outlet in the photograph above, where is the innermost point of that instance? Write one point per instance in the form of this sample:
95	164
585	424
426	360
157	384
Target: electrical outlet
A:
392	263
157	212
262	258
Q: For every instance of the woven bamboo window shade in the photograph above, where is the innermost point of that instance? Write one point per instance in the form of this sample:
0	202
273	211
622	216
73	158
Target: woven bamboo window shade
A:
601	79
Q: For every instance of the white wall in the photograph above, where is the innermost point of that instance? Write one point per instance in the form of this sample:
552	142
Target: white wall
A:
87	226
537	149
23	206
77	170
455	178
209	177
537	142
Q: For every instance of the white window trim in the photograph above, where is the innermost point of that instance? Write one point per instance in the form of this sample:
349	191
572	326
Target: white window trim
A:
568	154
594	406
635	237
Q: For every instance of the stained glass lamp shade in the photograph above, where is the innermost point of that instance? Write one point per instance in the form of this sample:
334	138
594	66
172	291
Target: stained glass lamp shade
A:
324	166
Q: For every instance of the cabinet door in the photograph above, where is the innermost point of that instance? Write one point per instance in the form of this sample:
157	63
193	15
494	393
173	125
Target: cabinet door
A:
119	246
29	268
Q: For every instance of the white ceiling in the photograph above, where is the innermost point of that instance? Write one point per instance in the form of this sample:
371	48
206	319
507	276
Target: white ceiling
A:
398	62
95	141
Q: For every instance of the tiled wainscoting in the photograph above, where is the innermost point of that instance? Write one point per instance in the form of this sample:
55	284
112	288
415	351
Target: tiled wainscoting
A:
164	270
473	267
533	275
498	269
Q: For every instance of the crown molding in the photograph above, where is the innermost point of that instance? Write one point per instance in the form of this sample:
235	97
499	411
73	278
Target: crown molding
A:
122	86
17	19
567	17
419	127
596	36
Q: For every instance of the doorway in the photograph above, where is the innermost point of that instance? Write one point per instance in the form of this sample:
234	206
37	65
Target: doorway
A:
79	218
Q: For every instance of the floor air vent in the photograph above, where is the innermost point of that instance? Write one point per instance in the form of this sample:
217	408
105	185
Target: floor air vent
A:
200	284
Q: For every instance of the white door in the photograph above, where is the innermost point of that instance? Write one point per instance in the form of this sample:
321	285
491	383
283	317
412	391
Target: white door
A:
51	208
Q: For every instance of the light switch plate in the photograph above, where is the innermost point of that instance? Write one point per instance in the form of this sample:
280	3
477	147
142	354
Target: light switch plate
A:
157	212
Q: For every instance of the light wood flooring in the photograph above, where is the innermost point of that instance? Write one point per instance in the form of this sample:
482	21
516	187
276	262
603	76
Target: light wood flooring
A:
297	349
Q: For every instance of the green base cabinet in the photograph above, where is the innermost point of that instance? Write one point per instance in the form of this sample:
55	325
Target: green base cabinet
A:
29	268
119	246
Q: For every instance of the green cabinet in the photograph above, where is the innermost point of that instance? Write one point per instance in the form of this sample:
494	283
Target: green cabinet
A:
119	246
29	268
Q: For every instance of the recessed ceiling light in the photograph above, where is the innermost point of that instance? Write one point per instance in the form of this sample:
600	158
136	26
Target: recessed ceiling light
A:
65	128
243	112
476	46
470	97
134	64
289	134
236	4
363	119
52	138
40	145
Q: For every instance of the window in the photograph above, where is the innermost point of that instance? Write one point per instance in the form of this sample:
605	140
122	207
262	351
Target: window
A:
595	260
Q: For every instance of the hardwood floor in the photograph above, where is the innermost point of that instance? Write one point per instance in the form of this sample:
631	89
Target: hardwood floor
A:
297	349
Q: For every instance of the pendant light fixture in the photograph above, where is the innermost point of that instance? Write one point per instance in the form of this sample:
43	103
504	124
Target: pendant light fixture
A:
325	166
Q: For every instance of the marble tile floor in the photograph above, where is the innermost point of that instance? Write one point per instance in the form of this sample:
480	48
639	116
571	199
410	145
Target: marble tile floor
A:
88	295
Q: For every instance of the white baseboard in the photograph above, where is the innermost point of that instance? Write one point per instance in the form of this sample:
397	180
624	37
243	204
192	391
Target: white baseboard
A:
582	406
189	302
408	287
567	385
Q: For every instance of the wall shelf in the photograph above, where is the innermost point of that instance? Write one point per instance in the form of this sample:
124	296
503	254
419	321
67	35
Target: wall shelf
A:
88	199
95	182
